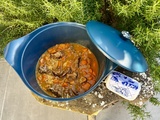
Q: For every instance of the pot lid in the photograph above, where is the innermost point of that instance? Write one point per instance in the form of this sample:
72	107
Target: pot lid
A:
116	46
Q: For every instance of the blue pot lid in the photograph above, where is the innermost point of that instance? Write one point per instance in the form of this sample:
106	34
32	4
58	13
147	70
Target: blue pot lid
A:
116	47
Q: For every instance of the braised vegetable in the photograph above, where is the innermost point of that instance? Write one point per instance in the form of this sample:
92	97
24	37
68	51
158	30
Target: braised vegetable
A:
67	70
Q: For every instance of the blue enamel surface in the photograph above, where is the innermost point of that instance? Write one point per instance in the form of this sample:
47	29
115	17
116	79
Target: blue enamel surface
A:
23	54
13	50
115	47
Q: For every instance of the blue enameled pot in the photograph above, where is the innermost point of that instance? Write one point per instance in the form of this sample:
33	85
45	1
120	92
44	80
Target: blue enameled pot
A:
23	53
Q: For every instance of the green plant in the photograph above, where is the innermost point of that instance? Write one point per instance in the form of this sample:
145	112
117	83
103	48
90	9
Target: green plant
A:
19	17
155	101
137	113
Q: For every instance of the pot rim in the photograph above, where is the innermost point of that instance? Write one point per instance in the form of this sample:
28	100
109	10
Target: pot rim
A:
58	24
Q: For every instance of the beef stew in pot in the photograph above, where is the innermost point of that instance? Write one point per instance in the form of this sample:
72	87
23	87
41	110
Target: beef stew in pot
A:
67	70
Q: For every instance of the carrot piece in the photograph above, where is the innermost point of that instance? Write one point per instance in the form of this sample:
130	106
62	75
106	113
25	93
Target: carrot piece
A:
64	84
88	61
47	57
67	45
90	78
92	82
59	63
94	64
44	76
39	77
63	58
55	81
90	70
72	82
94	73
52	50
67	64
62	46
86	86
41	61
83	62
84	73
85	50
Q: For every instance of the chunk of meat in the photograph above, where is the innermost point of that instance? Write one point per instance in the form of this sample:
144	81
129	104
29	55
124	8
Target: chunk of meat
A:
56	89
72	76
53	64
71	93
74	90
65	72
57	55
58	72
77	90
43	69
75	65
65	92
59	91
61	73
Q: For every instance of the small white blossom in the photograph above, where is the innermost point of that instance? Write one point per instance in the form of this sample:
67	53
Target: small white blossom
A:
100	96
102	103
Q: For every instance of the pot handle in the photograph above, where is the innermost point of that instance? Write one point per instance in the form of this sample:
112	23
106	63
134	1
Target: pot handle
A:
13	52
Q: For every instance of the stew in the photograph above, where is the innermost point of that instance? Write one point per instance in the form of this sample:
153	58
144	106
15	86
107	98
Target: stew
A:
66	70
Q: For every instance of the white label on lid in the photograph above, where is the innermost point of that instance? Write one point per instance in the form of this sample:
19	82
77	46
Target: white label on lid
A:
123	85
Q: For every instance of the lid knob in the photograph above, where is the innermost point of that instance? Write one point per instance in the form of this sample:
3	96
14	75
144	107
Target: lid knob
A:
126	34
